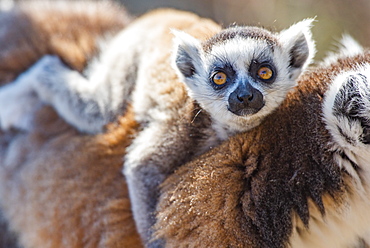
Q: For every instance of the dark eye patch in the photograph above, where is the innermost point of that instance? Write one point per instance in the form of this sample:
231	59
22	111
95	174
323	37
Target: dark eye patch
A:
224	68
255	66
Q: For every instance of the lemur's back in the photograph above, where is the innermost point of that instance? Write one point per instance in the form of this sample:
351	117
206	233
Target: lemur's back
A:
150	42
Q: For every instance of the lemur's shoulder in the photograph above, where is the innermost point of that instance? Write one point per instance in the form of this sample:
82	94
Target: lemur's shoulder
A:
32	29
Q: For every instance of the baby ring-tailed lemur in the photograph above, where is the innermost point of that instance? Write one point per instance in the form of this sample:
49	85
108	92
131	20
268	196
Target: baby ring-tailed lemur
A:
234	79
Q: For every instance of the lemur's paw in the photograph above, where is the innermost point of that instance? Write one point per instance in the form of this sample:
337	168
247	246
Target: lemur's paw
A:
46	75
47	64
349	104
18	105
20	99
45	69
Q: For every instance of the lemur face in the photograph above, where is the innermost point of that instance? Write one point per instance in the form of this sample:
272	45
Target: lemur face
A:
243	73
240	72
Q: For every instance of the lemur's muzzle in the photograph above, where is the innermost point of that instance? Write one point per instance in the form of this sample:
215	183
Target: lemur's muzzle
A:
245	100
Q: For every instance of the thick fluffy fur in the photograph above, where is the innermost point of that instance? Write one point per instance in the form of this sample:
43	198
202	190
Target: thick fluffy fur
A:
60	188
162	92
299	179
347	46
265	188
136	67
32	29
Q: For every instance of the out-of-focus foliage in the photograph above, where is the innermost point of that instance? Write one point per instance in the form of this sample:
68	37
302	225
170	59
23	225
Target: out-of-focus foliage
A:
334	17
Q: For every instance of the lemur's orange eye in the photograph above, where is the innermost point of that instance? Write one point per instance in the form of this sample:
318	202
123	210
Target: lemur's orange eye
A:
219	78
265	73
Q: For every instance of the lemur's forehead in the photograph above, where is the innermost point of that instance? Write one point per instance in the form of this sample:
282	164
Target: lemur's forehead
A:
228	34
239	52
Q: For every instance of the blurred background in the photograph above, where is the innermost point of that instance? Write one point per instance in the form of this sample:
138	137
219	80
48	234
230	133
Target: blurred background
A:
334	17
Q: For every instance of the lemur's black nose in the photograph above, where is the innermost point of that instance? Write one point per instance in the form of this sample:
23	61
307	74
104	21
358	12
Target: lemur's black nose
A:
245	97
245	100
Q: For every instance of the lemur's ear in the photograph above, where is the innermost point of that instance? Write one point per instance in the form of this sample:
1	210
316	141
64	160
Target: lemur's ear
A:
187	58
298	41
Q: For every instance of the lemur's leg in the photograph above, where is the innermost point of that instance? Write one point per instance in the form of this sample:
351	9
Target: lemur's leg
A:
86	103
153	155
347	115
145	171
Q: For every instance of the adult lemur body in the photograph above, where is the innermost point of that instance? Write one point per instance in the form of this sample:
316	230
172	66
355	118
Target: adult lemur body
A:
234	79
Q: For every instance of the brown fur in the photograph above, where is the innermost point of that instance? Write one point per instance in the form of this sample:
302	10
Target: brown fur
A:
60	188
69	30
244	192
67	190
63	189
159	93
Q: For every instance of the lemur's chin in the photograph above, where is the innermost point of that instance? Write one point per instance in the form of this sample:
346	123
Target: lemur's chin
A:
244	112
